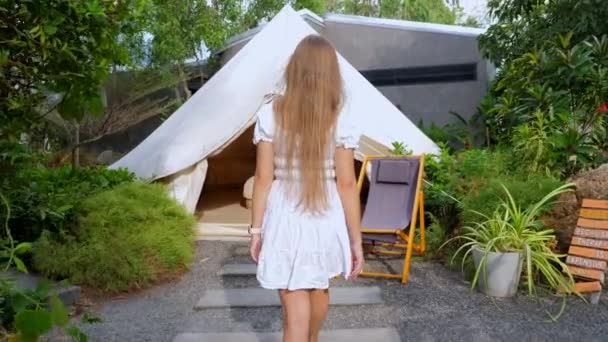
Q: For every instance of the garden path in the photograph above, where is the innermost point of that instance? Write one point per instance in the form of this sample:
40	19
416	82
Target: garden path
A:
436	305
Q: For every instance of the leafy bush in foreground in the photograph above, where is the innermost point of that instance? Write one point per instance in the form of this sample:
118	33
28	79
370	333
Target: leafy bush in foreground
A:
47	198
125	238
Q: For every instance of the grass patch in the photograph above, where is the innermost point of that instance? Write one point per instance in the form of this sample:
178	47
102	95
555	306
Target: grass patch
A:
125	239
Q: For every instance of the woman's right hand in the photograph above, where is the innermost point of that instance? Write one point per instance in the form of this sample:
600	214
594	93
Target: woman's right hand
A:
357	260
255	246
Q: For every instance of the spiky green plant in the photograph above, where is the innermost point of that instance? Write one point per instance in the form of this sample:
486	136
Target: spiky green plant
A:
514	229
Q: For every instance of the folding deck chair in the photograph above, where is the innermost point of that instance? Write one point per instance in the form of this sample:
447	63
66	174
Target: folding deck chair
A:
394	208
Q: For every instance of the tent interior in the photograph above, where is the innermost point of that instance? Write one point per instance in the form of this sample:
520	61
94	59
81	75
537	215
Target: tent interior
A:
221	201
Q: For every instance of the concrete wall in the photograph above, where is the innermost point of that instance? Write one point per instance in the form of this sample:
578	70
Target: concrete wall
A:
370	47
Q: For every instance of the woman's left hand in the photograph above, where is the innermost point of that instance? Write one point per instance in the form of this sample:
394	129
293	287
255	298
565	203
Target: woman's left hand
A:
255	246
357	259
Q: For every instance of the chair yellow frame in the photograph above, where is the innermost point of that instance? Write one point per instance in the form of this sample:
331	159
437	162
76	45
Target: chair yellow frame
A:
409	246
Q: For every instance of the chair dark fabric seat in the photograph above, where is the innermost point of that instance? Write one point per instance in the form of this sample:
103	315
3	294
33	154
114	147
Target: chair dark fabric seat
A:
390	202
394	207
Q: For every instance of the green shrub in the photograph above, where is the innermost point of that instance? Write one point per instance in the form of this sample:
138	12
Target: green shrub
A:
489	195
125	238
453	177
471	181
43	198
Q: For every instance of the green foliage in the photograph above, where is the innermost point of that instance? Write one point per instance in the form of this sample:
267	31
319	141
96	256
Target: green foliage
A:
11	251
47	199
180	27
439	134
545	104
23	312
27	313
432	11
553	59
125	238
514	228
485	197
400	149
435	235
33	323
520	26
435	11
14	156
317	6
462	133
473	180
55	47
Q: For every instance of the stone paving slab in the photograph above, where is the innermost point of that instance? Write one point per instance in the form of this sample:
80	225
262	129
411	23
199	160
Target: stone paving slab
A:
258	297
237	270
342	335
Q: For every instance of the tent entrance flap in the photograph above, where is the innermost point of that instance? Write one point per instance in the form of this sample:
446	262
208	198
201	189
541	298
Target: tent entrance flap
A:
185	186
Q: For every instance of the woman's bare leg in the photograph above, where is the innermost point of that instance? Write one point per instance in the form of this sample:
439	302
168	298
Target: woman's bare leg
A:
319	304
296	315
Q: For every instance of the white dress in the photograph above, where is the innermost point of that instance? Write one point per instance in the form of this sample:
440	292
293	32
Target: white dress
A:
301	250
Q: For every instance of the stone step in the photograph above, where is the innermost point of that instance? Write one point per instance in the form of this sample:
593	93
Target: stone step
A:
350	335
258	297
221	231
237	270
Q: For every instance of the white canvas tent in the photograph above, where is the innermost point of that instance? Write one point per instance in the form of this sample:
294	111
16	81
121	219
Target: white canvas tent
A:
218	117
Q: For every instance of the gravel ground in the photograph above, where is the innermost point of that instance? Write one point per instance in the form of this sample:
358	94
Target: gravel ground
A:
436	305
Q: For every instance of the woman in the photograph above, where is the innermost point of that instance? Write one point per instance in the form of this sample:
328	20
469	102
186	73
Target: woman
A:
306	215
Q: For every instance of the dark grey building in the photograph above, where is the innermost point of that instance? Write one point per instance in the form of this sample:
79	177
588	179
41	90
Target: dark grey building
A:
427	70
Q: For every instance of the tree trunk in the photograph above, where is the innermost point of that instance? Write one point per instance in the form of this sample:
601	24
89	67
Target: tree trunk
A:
114	91
178	95
76	150
201	68
183	80
487	136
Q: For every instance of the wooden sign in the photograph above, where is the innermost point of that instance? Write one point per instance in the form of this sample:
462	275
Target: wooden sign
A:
587	263
587	273
597	204
591	243
588	252
593	224
591	233
585	287
594	214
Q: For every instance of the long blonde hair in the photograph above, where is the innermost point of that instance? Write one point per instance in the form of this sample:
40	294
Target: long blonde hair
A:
306	116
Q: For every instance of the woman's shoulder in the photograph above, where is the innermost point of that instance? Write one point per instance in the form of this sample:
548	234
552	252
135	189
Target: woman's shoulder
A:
271	97
266	111
347	132
267	106
264	127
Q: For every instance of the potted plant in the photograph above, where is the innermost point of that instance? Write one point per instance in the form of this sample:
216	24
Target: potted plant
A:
509	241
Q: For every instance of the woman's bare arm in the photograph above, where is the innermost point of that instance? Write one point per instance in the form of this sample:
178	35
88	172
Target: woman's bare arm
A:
264	175
346	181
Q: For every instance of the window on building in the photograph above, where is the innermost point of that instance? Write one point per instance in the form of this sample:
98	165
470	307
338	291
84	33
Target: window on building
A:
420	75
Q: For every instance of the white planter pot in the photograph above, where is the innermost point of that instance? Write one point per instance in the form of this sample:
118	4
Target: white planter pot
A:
501	275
